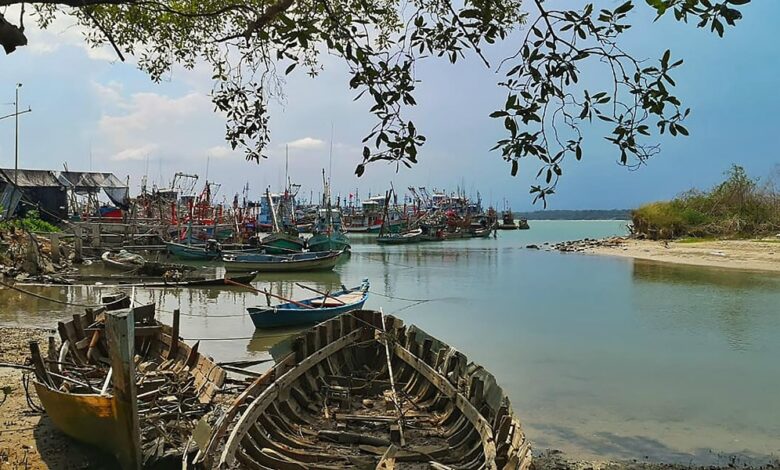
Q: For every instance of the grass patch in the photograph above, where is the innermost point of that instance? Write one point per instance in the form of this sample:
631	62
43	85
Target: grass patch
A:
691	240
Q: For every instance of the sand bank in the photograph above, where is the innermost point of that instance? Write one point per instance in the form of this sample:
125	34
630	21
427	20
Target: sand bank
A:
750	255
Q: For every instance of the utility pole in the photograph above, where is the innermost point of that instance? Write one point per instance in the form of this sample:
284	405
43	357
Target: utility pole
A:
16	143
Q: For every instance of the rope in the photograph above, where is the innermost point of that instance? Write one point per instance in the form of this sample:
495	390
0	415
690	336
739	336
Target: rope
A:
385	261
237	338
33	294
400	298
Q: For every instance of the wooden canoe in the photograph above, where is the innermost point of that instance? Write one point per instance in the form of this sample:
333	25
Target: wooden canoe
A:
310	311
70	392
334	402
215	282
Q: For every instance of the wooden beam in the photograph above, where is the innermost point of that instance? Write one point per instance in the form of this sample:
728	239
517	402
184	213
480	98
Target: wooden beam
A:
121	339
174	334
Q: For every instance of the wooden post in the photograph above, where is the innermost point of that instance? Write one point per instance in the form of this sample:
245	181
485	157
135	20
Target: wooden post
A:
96	235
52	351
37	361
54	238
78	244
120	331
174	334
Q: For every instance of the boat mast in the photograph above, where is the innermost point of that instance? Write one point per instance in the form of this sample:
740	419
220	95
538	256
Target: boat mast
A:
273	210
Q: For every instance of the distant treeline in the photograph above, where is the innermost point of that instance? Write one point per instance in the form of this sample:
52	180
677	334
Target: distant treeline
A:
738	207
609	214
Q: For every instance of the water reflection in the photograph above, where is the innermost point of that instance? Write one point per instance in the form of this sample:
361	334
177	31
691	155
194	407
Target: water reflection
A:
264	340
649	271
736	306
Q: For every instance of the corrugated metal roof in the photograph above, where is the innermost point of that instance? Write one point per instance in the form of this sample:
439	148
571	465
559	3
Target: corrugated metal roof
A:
30	178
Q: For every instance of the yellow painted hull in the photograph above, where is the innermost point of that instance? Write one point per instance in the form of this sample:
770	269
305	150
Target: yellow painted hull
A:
90	419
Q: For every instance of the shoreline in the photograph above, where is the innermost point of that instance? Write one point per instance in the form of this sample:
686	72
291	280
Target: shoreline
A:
739	255
29	440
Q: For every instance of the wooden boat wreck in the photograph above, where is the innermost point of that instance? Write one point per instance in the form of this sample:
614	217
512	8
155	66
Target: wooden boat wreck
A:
363	391
122	260
125	383
310	311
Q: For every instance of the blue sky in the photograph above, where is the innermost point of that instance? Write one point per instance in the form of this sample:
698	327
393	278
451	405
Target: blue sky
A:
85	102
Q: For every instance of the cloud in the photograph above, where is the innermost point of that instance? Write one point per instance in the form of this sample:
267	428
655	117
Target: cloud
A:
307	143
174	128
219	151
135	154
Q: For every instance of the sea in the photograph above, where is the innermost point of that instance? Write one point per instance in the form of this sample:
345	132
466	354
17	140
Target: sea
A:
602	357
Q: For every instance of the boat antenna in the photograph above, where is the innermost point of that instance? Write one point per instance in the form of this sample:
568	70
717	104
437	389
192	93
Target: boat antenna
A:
286	164
330	157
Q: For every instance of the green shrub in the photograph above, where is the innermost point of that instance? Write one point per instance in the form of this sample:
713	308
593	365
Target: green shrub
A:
31	222
737	207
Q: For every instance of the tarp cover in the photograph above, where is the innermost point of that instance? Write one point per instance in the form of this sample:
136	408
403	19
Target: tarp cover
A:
85	181
90	182
29	178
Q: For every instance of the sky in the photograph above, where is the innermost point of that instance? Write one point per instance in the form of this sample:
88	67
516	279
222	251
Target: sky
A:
93	112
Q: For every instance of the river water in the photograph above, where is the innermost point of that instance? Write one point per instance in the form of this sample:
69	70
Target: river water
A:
602	357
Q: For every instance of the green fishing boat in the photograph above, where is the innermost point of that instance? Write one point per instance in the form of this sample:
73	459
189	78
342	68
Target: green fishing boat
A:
328	234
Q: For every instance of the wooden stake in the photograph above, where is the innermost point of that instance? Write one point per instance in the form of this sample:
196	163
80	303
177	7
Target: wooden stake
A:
121	338
174	334
394	394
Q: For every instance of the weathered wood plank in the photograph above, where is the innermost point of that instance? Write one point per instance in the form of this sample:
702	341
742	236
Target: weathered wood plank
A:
121	339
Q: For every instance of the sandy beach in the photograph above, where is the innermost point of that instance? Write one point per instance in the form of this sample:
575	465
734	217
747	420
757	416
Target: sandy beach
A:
749	255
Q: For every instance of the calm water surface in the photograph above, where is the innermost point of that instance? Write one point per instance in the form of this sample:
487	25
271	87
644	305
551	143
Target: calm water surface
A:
602	357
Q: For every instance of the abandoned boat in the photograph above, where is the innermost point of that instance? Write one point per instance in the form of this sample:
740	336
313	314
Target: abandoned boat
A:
310	311
123	260
95	393
363	391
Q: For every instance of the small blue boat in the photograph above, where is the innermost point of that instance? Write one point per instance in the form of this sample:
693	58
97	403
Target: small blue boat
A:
310	311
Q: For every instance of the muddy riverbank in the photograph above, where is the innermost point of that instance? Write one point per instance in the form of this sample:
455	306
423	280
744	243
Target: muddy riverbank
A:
28	440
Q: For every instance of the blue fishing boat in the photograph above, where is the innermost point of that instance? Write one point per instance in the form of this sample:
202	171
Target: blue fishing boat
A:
208	252
310	311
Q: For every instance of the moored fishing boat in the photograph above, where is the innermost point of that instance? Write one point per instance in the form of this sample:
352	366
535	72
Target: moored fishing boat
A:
208	252
364	391
310	261
335	241
280	243
310	311
173	386
328	232
412	236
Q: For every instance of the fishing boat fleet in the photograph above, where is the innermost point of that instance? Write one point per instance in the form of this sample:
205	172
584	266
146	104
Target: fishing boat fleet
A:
348	388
